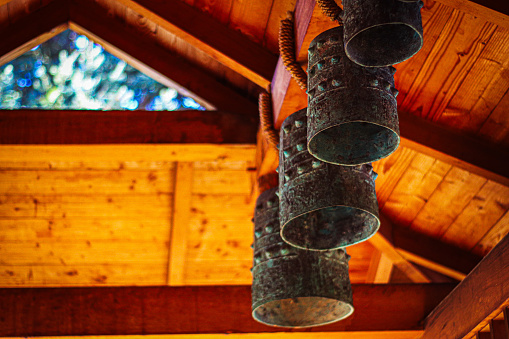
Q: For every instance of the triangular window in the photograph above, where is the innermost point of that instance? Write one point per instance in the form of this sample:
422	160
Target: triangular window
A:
71	72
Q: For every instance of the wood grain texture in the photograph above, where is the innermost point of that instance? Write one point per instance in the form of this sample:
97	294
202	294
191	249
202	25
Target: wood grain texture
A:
468	304
139	50
114	127
226	45
180	223
28	28
175	310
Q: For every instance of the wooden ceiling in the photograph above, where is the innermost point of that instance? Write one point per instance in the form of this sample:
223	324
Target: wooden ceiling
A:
179	214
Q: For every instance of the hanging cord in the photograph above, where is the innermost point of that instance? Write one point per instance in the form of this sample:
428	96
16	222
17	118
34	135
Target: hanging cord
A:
332	10
287	51
265	109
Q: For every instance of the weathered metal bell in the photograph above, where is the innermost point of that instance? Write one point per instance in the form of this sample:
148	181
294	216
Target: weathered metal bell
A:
322	206
352	110
382	32
293	287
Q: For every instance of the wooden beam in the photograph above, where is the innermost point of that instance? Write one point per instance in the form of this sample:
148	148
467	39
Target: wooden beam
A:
143	53
180	223
283	87
126	152
180	310
384	245
291	335
495	11
451	146
484	291
125	127
229	47
32	30
380	269
432	253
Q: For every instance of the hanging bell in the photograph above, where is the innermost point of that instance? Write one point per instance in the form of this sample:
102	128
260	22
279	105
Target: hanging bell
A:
382	32
322	206
292	287
352	114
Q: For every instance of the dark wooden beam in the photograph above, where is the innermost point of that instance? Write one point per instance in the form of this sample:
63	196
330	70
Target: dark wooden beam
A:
287	97
204	32
179	310
32	30
429	252
125	127
142	52
484	291
451	146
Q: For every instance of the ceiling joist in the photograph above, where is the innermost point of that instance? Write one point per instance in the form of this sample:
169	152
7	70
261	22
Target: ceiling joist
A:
180	310
483	292
131	127
227	46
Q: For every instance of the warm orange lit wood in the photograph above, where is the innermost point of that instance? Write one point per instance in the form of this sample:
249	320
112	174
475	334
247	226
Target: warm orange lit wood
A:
223	44
180	310
461	311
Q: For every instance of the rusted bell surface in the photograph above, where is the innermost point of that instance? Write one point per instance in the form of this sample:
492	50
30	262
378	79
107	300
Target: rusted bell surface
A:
292	287
352	117
322	206
382	32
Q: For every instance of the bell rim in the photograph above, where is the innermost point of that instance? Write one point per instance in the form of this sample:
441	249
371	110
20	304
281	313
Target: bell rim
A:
370	160
375	230
344	316
347	42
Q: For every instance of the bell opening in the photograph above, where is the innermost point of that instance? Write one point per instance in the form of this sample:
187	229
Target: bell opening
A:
383	45
330	228
302	312
353	143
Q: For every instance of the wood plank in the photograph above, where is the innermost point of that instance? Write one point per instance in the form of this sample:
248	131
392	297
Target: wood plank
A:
141	52
499	329
147	310
282	83
383	245
250	18
87	252
180	223
380	269
494	235
493	10
228	46
277	13
496	128
455	148
482	212
460	312
129	127
447	202
125	153
32	30
222	182
85	182
98	274
77	230
293	335
135	207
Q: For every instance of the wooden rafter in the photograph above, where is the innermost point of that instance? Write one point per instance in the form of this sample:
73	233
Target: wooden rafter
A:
142	127
483	292
424	250
178	310
202	31
32	30
140	51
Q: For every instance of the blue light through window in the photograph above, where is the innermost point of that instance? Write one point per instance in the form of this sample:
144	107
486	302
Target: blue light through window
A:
71	72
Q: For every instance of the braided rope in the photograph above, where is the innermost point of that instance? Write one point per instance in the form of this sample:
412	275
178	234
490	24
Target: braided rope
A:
265	110
332	10
287	51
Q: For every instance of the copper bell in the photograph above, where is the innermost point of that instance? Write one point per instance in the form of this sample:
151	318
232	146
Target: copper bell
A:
292	287
352	117
382	32
322	206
